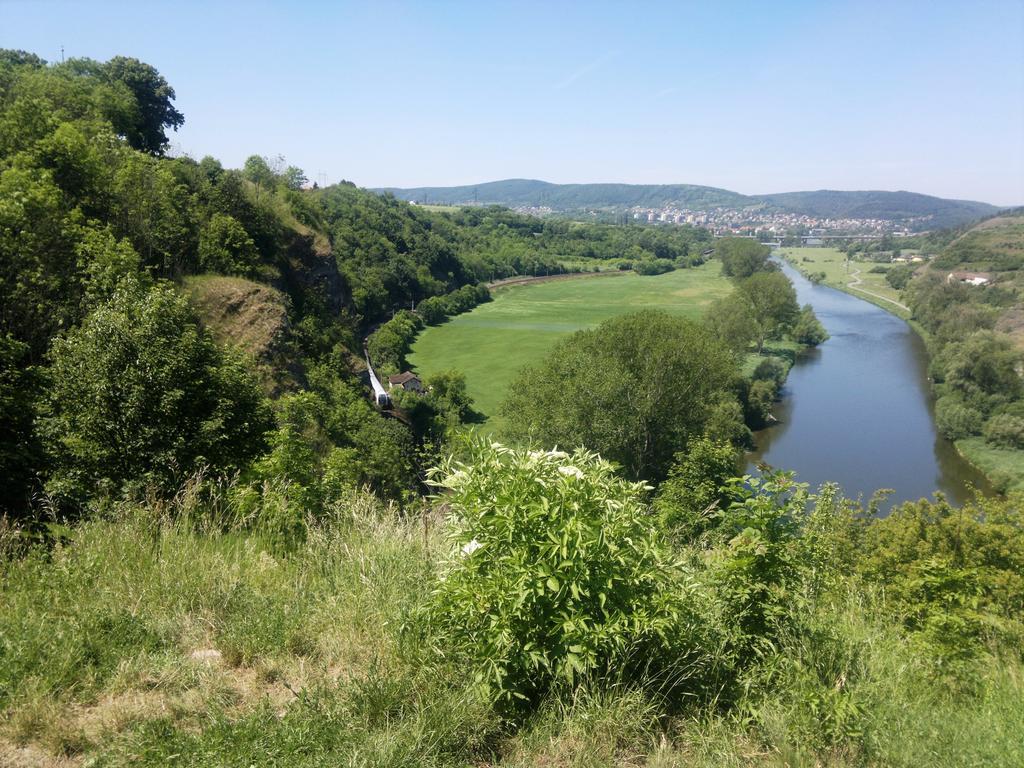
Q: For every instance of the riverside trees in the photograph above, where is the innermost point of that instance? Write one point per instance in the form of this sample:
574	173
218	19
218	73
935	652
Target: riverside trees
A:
637	388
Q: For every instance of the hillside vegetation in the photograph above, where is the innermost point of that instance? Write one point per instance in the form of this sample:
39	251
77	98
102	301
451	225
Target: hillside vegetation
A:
974	336
217	550
821	203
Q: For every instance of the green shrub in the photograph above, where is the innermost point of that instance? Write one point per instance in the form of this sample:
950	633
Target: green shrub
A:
653	266
1005	430
140	393
697	485
956	420
557	573
808	329
770	369
226	248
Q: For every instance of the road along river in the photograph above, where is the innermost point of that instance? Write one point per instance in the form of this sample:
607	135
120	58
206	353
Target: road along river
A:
858	410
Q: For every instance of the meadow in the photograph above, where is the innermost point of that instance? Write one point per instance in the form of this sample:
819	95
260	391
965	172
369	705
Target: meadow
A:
491	344
873	286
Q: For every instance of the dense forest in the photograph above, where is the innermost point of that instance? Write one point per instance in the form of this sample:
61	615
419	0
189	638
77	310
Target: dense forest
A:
215	550
100	232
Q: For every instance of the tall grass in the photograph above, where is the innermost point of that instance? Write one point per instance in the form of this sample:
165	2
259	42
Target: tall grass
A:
152	637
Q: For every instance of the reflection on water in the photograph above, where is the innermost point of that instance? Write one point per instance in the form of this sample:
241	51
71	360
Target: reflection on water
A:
858	410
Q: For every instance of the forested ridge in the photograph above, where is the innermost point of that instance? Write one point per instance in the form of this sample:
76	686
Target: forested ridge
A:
214	550
823	202
100	229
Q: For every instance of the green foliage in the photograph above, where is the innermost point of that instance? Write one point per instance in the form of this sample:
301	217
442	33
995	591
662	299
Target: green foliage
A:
1005	430
732	320
742	257
808	329
139	393
392	341
771	369
756	574
448	391
898	277
636	388
697	487
20	452
761	395
955	574
773	304
556	574
956	420
225	247
653	266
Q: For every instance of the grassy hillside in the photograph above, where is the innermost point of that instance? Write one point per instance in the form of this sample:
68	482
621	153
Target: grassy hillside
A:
976	338
154	639
494	341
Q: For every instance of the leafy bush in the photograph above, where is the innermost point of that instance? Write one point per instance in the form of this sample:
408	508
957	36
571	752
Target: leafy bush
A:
636	389
1005	431
956	420
141	393
761	396
770	369
225	247
653	266
808	329
696	486
557	573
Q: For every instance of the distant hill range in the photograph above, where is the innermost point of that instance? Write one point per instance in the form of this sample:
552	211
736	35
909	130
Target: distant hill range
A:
564	198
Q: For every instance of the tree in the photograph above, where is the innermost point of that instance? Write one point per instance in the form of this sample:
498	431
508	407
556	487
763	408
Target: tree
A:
808	329
732	320
697	486
20	452
140	393
294	178
153	97
956	420
258	171
742	257
636	389
225	247
773	300
448	390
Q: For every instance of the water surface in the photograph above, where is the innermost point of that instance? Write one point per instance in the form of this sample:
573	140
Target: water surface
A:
859	411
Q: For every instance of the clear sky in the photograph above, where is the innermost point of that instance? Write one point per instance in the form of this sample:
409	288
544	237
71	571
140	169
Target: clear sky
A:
754	97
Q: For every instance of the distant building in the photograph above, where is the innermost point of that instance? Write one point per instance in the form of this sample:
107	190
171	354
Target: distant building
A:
971	278
408	381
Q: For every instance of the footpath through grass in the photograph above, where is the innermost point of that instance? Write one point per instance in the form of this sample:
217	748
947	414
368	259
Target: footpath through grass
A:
491	344
838	274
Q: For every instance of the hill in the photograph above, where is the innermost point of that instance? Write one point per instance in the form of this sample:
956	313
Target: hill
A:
880	205
566	197
823	203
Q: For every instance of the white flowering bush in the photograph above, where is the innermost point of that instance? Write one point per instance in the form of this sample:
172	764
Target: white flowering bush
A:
556	572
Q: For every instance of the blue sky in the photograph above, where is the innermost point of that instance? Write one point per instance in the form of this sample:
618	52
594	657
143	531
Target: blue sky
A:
754	97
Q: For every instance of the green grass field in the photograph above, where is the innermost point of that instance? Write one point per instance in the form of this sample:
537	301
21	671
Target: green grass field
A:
493	342
832	262
1003	466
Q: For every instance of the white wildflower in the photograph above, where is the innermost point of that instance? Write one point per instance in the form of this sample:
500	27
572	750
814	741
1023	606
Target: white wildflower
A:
470	547
557	454
570	471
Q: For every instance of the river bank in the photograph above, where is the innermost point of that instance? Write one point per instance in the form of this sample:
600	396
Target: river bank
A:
1003	468
828	266
859	410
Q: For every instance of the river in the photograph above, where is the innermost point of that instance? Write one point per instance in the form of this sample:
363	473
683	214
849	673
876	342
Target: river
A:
859	411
